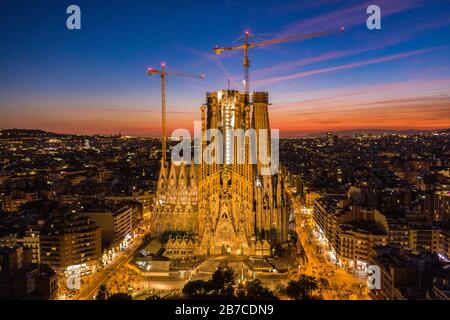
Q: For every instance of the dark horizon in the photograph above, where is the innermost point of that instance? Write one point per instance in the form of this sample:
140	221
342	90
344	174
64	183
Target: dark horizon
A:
343	133
77	80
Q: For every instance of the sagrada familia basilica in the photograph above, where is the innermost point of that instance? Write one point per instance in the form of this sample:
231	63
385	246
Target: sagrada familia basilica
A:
229	206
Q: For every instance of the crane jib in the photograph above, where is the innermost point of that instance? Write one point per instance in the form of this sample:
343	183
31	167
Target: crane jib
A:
246	45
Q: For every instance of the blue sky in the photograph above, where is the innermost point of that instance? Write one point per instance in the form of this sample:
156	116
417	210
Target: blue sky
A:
77	81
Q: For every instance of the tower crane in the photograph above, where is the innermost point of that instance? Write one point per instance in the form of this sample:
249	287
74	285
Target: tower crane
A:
247	45
163	73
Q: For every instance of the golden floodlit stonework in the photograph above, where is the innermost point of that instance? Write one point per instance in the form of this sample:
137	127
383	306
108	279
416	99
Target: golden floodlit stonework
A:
223	208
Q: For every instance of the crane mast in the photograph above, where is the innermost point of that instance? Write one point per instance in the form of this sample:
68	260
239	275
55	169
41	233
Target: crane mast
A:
246	65
163	112
163	73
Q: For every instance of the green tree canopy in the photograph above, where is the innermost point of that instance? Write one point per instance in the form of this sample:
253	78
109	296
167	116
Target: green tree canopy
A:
194	289
302	288
255	291
222	285
120	296
102	293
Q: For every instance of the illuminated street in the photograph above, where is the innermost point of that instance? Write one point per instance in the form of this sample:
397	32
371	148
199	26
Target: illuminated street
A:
342	285
96	280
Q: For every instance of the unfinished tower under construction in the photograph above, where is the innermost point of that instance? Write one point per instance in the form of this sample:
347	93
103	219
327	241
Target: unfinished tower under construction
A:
231	201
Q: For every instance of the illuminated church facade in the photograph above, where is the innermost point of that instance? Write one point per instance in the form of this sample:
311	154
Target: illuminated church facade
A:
231	206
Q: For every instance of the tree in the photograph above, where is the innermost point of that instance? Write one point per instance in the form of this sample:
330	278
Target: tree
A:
280	289
194	289
255	291
309	284
222	277
241	291
293	289
102	293
302	288
220	286
120	296
221	283
324	282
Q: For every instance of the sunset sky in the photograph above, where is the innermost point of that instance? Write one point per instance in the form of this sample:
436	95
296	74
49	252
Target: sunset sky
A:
94	81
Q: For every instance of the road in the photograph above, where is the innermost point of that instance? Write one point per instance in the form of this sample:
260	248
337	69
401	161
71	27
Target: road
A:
318	262
88	292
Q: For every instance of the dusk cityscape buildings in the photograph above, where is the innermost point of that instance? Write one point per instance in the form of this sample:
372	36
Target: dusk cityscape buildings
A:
355	202
292	188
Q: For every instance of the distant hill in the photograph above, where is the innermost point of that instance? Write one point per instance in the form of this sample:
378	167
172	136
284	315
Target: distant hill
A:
23	133
354	132
34	133
17	133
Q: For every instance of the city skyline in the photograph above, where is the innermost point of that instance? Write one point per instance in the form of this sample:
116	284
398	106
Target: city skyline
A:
94	81
319	167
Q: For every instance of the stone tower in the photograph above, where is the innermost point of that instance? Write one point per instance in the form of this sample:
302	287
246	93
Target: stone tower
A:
224	203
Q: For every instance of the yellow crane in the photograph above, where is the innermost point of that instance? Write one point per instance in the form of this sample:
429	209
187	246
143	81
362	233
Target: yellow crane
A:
163	73
247	45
